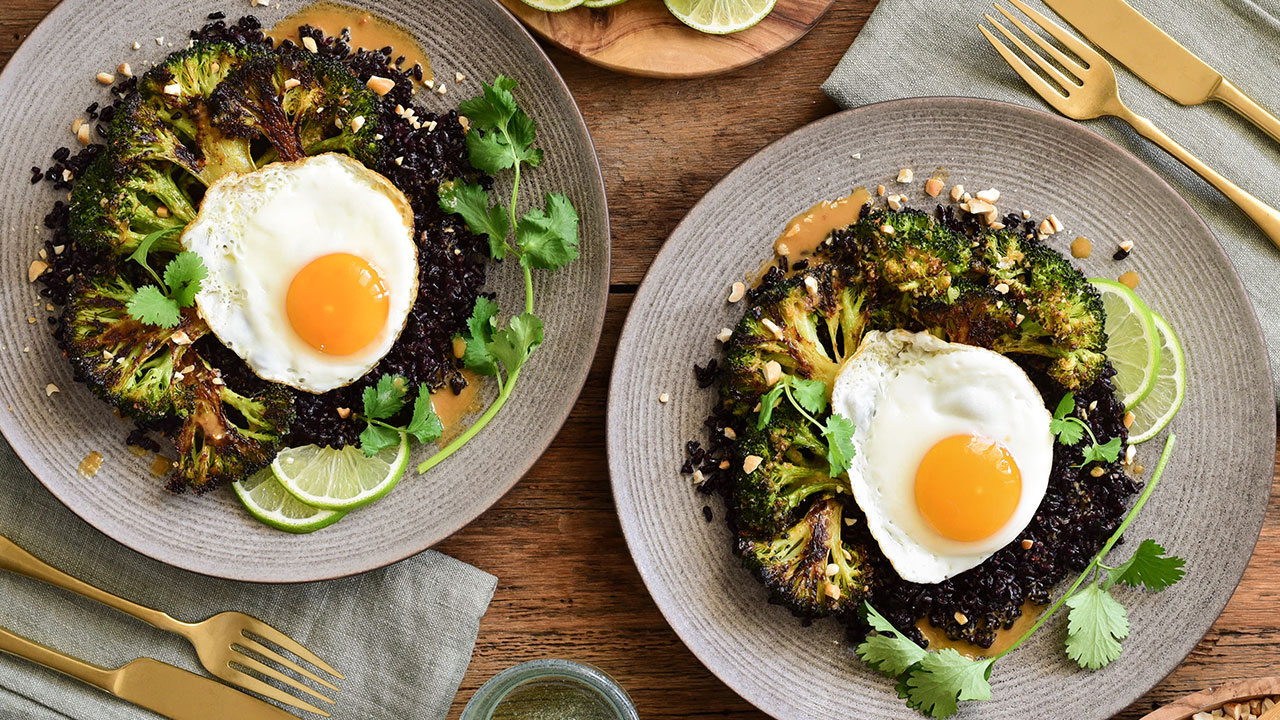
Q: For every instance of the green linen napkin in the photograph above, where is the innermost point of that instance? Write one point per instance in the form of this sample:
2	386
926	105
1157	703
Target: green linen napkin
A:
402	635
912	48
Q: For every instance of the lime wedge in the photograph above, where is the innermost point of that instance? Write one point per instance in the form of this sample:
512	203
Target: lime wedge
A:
553	5
1162	403
720	17
340	479
269	502
1133	345
601	3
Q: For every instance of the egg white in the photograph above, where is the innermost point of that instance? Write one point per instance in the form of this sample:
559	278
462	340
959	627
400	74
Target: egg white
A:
905	392
257	230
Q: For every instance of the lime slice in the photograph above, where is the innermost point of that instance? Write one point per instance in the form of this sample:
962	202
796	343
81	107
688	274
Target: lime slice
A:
1133	345
269	502
720	17
1162	403
601	3
340	479
553	5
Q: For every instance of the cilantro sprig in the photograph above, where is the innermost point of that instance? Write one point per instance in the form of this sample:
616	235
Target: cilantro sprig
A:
1069	429
501	137
809	397
936	682
161	304
383	402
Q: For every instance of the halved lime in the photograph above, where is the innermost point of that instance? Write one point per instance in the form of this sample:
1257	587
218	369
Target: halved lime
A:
553	5
340	479
720	17
268	501
1133	345
601	3
1162	403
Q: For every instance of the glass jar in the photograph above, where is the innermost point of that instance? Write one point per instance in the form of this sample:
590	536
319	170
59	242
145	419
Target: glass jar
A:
550	690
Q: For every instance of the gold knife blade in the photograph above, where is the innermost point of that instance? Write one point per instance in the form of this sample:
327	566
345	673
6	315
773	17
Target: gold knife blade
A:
1161	62
151	684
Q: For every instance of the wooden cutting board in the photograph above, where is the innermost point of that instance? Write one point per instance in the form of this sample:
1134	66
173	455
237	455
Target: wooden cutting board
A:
640	37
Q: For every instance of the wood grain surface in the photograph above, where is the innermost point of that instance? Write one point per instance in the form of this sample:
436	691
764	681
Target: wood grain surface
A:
641	37
567	587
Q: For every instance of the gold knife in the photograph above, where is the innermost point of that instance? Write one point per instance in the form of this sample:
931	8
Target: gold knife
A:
1158	59
151	684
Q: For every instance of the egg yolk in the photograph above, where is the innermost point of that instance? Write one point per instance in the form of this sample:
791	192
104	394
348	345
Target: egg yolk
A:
967	487
337	303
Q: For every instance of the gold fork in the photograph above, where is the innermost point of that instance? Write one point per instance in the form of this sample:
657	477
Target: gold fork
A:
219	642
1091	92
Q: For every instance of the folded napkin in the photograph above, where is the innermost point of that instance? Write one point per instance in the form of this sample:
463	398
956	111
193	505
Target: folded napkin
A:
912	48
402	635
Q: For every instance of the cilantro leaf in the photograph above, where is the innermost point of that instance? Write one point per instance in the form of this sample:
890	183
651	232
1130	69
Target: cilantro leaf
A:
150	305
1102	453
942	678
1095	627
811	394
183	275
471	202
887	651
494	107
139	255
1066	406
489	151
425	425
1069	430
513	344
386	398
838	432
1149	567
480	328
377	438
768	402
522	129
549	240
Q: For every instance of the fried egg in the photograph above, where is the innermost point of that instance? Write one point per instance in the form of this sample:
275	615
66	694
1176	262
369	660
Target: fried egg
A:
953	448
312	268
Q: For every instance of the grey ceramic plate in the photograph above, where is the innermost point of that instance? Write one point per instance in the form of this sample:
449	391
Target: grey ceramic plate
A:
1209	506
49	82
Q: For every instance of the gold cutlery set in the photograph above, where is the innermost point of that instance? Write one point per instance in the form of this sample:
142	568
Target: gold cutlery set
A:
230	646
1084	87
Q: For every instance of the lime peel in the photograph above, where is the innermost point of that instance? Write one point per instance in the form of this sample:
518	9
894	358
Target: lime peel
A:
1160	405
340	479
1133	344
268	502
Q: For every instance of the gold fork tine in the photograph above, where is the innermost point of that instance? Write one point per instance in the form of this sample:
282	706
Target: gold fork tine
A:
272	635
1053	72
276	657
253	684
258	666
1051	94
1068	62
1073	43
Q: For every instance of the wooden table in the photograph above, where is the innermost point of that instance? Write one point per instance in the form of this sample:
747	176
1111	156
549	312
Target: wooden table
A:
567	587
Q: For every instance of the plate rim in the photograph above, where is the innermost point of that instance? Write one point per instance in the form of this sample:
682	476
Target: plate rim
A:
24	449
627	522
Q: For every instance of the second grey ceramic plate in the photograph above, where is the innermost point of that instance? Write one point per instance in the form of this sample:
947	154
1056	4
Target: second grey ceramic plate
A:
1209	506
212	534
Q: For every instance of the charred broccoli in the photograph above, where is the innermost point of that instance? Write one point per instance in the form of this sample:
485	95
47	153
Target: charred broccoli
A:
792	469
302	103
807	323
808	568
132	365
226	436
114	207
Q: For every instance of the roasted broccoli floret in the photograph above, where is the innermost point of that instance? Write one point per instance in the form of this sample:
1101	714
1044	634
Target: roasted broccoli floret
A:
303	103
792	469
904	251
130	364
808	568
174	101
224	435
807	323
114	207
